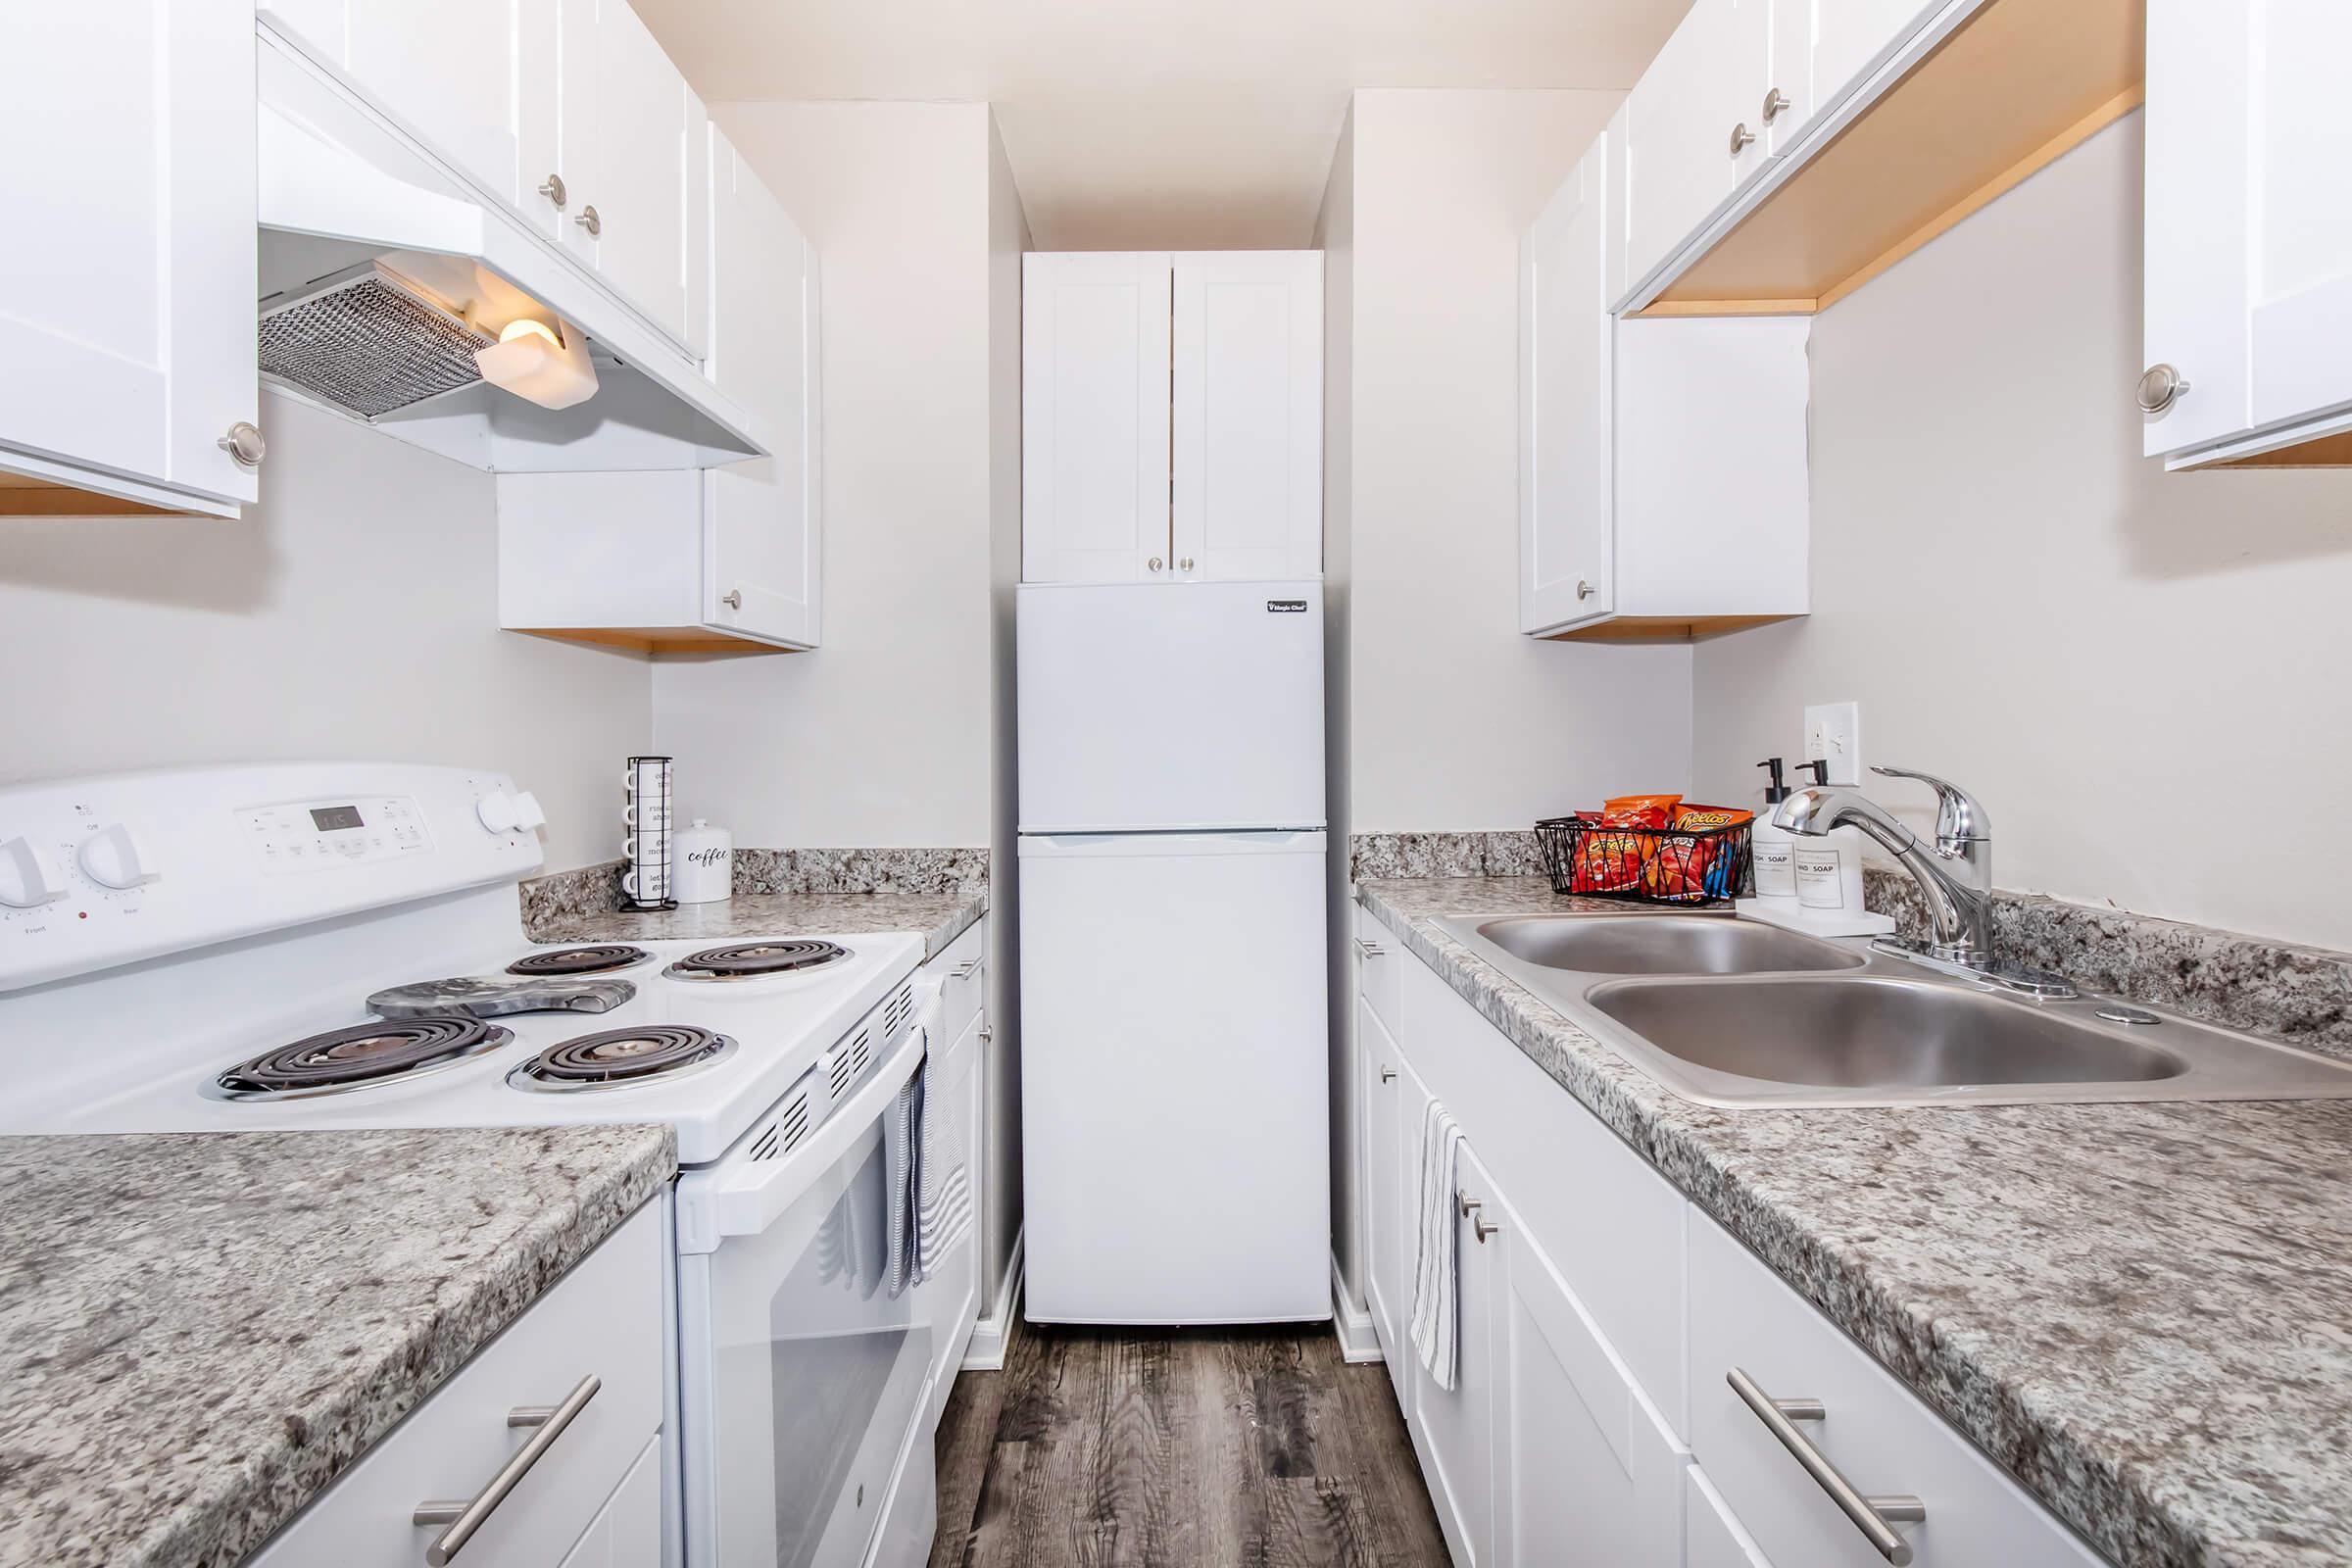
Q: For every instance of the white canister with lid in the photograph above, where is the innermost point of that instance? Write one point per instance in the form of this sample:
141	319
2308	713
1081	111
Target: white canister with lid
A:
702	864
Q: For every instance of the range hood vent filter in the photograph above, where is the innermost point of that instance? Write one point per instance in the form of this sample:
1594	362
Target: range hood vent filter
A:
368	344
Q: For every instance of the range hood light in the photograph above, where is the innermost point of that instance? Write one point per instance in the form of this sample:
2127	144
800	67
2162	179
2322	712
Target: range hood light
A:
536	363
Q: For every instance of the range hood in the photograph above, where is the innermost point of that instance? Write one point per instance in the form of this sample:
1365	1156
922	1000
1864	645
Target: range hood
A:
383	276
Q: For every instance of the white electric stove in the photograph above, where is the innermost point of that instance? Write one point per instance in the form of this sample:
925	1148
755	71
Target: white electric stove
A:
321	946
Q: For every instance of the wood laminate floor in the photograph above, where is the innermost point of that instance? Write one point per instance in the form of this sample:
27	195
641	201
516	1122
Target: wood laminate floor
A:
1193	1448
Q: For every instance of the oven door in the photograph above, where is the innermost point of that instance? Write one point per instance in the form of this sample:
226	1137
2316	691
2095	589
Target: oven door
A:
801	1377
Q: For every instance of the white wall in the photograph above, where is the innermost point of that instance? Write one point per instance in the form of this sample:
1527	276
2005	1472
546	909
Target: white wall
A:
881	736
2139	673
1456	721
1008	238
1444	716
352	614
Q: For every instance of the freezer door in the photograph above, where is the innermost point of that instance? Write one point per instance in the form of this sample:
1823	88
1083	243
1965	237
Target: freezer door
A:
1166	707
1174	1092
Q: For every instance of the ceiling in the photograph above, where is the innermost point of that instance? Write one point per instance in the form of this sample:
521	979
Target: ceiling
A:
1156	123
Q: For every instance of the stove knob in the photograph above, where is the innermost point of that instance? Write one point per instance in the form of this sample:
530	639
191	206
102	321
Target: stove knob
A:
27	878
499	811
529	812
114	857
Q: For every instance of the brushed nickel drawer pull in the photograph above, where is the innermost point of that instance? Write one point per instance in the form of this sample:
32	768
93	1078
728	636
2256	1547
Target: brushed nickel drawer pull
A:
1370	950
966	969
464	1518
1875	1517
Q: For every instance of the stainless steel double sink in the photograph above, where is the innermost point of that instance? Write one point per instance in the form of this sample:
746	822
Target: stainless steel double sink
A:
1733	1012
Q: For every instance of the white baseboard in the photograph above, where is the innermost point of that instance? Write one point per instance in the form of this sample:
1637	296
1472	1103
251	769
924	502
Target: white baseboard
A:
986	1350
1351	1322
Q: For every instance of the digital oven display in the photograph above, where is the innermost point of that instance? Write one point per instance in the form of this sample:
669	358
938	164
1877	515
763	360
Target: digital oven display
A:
329	818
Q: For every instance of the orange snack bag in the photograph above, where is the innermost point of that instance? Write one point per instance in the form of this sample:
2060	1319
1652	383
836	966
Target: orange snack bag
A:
1639	810
1700	818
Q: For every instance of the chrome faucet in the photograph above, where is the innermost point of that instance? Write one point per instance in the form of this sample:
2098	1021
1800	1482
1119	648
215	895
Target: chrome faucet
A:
1955	872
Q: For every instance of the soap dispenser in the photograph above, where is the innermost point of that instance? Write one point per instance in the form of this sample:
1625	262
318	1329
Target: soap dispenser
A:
1774	846
1823	891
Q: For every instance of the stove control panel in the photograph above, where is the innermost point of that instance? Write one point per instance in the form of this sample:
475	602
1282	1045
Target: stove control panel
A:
321	835
98	873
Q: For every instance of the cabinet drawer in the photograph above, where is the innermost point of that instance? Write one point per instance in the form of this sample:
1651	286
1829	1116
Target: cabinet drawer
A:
961	970
1878	1433
1378	954
1711	1537
604	1318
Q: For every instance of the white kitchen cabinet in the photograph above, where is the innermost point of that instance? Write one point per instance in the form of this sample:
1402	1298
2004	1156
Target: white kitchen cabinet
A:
1694	122
595	1490
763	542
1454	1429
1587	1471
126	288
1171	415
1875	1432
2248	306
727	559
1095	436
1246	424
634	162
1385	1179
1712	1535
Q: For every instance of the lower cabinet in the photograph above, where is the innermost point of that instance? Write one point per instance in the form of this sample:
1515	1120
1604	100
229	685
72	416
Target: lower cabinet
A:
593	1497
1594	1419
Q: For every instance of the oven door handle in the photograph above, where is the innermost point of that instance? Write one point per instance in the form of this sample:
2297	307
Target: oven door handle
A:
744	1202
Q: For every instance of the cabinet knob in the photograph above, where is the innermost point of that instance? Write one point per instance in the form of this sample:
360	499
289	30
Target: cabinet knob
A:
1388	1075
590	221
1742	138
1775	103
2160	387
1186	563
732	599
244	445
551	187
1485	1228
1584	588
1153	563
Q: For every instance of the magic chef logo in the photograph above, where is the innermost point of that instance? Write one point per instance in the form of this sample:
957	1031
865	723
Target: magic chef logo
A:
1286	607
709	857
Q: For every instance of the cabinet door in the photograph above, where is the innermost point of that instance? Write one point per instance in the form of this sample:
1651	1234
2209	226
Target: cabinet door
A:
1710	77
1094	416
1567	442
763	521
1585	1470
1822	49
1455	1430
632	154
626	1532
126	289
1388	1267
1247	423
2248	237
1712	1536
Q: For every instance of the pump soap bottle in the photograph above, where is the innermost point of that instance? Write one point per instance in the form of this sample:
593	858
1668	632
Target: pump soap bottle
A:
1820	891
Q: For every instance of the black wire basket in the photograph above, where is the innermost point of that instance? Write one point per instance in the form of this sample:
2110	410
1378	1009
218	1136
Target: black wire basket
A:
1647	865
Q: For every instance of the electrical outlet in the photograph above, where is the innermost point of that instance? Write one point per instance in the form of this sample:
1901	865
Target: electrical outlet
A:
1833	734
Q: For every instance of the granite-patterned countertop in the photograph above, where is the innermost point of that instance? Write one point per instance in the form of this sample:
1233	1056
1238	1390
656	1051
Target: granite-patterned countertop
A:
940	917
2142	1311
199	1332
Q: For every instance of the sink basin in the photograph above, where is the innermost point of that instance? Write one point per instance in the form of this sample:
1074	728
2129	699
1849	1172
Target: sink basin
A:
1875	1033
1661	944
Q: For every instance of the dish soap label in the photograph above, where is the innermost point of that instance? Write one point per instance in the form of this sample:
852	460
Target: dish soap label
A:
1775	868
1819	878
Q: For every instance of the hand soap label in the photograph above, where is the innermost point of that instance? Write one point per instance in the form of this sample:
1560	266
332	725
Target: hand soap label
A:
1820	884
1776	869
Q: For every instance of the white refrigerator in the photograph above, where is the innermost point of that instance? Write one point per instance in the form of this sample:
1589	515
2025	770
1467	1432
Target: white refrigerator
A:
1175	1108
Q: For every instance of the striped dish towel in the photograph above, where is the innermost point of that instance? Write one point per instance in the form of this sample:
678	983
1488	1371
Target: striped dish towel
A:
944	1195
1437	1331
903	1152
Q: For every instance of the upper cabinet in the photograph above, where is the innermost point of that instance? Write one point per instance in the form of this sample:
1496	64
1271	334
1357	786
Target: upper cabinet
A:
1663	488
2249	236
126	323
1171	415
1694	124
566	111
1246	427
726	560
